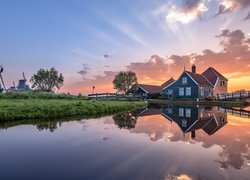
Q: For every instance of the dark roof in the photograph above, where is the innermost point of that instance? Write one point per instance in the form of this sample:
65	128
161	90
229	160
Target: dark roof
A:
213	127
200	79
198	124
150	88
150	112
171	80
212	75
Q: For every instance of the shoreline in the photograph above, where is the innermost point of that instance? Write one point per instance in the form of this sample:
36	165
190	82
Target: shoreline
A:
27	109
241	103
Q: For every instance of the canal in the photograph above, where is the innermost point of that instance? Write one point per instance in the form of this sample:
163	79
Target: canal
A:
169	142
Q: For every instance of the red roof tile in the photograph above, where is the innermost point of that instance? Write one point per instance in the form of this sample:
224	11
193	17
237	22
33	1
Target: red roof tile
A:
200	79
212	127
198	124
150	88
167	83
150	112
212	75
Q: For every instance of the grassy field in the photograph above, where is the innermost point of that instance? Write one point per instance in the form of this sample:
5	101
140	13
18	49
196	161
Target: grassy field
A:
18	109
40	95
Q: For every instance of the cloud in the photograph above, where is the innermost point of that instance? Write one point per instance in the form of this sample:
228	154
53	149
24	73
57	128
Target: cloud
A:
125	29
84	70
233	41
102	83
227	6
233	61
247	17
188	12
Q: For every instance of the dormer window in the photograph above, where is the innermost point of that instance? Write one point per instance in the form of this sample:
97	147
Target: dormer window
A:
184	80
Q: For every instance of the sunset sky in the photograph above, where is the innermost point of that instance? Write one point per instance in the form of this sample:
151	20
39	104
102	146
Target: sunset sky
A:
90	41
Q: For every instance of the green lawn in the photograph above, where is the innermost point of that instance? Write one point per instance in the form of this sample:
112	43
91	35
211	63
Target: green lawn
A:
18	109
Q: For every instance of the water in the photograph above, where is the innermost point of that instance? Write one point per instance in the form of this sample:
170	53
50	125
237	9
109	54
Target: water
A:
173	142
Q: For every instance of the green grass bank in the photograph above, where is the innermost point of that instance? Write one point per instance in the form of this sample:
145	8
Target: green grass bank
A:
40	108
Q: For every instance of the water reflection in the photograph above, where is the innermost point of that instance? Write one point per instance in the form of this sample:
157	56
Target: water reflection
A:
169	142
188	118
191	124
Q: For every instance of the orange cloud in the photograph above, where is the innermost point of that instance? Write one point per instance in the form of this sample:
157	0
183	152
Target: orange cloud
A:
233	61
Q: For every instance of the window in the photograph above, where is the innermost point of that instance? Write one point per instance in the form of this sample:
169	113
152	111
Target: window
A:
169	111
188	112
222	83
210	91
181	91
181	112
188	91
184	80
170	91
184	123
202	91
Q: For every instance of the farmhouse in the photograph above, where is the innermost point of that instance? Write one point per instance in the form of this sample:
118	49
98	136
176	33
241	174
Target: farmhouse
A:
191	85
149	91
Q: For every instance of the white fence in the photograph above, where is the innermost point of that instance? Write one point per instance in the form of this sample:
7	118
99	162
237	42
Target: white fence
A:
238	95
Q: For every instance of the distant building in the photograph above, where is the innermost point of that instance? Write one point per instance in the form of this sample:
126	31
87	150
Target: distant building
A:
191	85
149	91
145	91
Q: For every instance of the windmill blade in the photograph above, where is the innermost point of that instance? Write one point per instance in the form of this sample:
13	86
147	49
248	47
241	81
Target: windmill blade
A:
1	69
24	77
2	81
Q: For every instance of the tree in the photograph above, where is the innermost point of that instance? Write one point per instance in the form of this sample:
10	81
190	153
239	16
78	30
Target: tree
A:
47	80
124	80
125	120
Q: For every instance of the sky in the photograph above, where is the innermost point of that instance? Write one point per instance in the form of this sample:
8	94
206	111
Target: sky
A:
91	41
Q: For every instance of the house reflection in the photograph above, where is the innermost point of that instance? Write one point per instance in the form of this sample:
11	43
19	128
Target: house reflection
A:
191	118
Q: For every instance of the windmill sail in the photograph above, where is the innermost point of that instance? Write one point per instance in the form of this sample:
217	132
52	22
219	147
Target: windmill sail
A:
1	78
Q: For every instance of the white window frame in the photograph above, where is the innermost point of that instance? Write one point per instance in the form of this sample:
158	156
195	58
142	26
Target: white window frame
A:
184	80
202	91
188	93
181	90
184	123
181	112
188	112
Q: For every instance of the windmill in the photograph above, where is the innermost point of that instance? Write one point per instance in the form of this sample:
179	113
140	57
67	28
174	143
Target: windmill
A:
22	83
2	85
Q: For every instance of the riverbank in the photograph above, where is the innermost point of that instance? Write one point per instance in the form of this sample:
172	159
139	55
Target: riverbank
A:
228	103
19	109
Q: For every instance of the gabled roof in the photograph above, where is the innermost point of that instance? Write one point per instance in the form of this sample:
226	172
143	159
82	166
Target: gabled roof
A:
213	126
212	75
150	112
199	79
171	80
198	124
150	88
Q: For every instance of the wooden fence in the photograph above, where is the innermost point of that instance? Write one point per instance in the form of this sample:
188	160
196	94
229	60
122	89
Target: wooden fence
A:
239	112
238	95
113	96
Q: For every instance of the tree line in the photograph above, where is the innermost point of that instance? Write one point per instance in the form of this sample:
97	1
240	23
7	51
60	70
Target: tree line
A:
50	80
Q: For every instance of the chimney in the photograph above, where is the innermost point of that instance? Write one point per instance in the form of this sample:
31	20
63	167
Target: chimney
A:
193	68
193	134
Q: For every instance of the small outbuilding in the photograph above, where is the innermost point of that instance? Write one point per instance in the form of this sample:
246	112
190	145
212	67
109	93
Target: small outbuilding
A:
146	91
